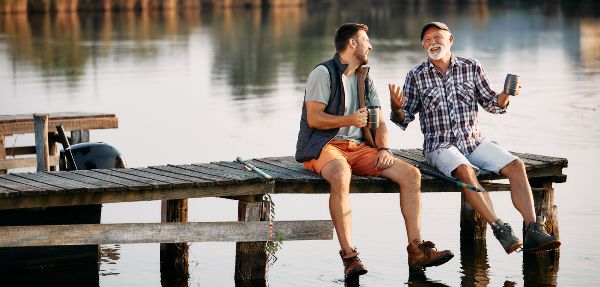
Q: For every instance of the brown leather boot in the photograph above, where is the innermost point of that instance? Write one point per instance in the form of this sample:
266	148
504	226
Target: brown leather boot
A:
423	254
353	267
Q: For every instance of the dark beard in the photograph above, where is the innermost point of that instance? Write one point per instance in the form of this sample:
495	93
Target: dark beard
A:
361	58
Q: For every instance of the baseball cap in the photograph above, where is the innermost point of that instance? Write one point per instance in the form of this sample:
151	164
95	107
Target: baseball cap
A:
434	24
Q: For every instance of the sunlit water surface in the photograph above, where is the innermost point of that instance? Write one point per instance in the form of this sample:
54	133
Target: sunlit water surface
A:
191	87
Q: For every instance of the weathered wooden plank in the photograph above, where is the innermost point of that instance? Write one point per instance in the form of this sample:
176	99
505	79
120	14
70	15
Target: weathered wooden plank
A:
67	186
69	122
543	158
239	174
41	185
84	234
53	116
11	163
278	175
180	178
8	193
40	128
131	184
178	169
20	187
173	179
165	192
118	172
105	185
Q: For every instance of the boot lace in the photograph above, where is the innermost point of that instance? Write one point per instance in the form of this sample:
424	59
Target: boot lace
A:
427	247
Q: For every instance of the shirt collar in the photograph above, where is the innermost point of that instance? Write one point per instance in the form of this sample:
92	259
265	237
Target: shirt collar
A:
454	61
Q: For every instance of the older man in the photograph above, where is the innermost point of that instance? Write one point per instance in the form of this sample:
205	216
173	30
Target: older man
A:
446	90
334	143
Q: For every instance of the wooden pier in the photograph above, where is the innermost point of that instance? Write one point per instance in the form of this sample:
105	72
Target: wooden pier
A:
79	124
174	184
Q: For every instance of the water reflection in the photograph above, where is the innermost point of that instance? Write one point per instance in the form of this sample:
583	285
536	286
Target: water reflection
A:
540	269
252	48
417	278
474	263
110	255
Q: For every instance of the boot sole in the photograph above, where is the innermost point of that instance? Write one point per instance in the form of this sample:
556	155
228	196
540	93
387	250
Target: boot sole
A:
514	247
552	245
437	262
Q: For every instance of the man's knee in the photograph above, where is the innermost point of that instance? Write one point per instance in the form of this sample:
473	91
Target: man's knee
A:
403	172
463	172
337	173
514	167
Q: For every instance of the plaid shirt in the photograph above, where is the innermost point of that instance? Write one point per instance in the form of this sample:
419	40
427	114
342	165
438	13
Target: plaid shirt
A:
448	105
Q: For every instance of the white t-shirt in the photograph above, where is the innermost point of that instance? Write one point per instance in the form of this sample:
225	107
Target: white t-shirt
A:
318	90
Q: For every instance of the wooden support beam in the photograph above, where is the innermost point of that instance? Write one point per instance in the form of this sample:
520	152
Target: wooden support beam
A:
472	224
543	201
84	234
129	195
174	263
251	257
21	162
40	127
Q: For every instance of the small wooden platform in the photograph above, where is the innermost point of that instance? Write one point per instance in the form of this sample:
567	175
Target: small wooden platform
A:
78	123
220	179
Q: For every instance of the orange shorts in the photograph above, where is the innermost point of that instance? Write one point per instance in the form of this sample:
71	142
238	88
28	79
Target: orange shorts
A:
361	158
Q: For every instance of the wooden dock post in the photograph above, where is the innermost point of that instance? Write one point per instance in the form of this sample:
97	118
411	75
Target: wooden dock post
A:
472	225
250	257
174	263
40	126
543	200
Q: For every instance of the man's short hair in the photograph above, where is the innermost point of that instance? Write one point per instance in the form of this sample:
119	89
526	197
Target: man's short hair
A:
345	33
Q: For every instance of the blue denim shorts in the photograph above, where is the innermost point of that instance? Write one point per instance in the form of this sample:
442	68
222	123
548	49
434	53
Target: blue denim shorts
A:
487	156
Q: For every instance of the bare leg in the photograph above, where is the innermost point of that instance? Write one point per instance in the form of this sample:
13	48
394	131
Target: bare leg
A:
338	174
520	190
480	201
408	178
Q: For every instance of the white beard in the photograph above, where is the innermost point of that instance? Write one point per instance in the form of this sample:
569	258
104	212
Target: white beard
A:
439	54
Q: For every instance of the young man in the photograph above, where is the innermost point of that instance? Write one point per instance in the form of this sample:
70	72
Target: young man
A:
334	142
445	91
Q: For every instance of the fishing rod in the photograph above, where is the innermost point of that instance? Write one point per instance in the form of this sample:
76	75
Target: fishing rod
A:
250	166
450	180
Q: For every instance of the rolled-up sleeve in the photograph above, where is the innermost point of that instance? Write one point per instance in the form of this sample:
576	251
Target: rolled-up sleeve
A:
412	104
486	96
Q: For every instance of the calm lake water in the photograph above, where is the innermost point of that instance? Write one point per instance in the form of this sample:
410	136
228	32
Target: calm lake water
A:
192	87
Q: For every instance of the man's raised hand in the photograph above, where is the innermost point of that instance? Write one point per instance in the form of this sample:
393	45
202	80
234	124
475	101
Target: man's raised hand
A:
397	98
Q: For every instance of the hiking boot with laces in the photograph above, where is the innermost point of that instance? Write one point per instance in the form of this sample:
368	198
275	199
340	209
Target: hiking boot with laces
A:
505	235
537	238
353	267
424	254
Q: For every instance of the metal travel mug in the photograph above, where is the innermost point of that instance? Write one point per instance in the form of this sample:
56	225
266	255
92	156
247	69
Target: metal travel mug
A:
373	117
512	84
